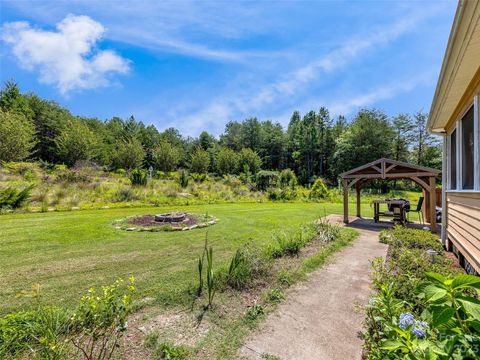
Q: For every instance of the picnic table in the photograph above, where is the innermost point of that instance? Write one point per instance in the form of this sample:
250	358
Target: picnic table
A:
397	212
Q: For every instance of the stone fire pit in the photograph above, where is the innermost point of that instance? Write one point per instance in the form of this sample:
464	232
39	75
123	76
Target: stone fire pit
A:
173	217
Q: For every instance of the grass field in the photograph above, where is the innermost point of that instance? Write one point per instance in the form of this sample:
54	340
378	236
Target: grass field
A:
68	252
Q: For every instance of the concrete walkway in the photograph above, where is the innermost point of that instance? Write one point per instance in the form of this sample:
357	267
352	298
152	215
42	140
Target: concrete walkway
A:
320	318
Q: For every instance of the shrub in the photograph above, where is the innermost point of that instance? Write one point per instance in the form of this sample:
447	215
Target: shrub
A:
384	236
284	194
266	179
166	156
17	134
124	194
274	194
183	178
407	314
232	181
249	161
72	176
200	178
100	319
226	161
288	178
245	266
448	328
319	190
21	168
129	154
41	333
326	231
59	167
200	161
11	198
94	328
75	142
414	239
138	177
288	244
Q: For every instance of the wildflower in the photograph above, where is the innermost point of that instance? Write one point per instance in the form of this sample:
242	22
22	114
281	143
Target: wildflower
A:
406	319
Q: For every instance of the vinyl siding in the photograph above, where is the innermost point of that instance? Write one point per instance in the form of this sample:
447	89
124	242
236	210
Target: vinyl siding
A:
463	224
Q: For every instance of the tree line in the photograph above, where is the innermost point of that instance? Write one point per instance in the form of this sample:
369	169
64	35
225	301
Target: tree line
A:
313	145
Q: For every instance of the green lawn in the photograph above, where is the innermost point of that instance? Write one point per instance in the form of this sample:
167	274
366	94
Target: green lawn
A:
68	252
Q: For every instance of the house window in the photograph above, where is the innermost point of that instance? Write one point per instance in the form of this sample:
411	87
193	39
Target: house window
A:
453	160
467	151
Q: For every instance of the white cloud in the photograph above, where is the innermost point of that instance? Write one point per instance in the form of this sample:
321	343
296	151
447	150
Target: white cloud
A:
291	85
348	105
67	57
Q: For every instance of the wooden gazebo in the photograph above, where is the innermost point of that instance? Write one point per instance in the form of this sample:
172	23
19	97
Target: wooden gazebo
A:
391	170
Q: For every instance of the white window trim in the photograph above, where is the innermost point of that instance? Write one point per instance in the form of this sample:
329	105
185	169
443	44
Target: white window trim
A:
476	142
459	143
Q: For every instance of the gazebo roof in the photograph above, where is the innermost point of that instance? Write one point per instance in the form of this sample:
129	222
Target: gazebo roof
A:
389	169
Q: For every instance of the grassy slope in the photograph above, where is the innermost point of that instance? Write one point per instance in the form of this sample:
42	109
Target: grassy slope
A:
68	252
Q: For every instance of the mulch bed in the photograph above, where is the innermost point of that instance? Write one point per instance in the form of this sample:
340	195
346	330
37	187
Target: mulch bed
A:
149	220
148	223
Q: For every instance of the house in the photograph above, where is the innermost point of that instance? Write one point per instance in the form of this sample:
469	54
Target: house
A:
455	115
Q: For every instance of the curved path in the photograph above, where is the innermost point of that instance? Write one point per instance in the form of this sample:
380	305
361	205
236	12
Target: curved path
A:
320	318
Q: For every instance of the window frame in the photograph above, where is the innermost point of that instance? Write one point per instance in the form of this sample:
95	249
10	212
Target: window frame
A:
475	103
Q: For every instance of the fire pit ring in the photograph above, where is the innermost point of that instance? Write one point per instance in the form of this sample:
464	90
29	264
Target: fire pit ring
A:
172	217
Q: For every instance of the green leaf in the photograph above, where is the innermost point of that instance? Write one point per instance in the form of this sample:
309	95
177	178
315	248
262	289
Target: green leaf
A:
433	292
471	306
441	315
435	277
392	345
475	324
465	280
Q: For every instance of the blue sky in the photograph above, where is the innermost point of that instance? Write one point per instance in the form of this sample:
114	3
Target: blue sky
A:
195	65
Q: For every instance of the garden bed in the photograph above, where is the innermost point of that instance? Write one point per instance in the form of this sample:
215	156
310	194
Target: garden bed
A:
173	221
424	305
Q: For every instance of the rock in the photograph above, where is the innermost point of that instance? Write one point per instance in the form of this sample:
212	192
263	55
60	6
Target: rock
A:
130	229
193	227
75	208
106	207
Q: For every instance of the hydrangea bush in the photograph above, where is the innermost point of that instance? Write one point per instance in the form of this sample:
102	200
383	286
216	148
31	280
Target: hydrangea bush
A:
419	314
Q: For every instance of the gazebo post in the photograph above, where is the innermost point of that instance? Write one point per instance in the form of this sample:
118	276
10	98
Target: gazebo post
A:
345	201
433	204
358	189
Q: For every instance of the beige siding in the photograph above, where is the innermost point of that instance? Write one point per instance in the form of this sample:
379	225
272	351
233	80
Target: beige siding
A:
463	224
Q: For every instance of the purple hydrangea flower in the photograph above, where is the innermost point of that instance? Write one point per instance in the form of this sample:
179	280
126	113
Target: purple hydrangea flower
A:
406	319
419	331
